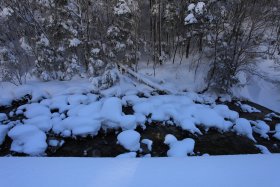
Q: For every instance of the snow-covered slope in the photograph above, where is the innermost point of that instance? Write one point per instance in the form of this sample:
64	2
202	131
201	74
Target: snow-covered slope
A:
230	171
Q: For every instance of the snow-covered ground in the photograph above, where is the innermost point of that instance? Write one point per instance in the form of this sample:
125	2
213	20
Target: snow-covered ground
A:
220	171
186	76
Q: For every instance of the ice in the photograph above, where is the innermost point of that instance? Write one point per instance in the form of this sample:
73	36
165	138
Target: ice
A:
127	155
243	127
261	128
179	148
42	122
129	139
3	117
28	139
148	142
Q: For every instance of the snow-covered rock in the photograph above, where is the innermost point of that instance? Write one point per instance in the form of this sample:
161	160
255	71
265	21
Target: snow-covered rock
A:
78	126
34	110
129	139
77	99
28	139
261	128
3	117
243	127
179	148
42	122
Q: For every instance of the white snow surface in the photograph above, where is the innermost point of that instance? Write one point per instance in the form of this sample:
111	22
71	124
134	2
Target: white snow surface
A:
261	128
127	155
130	140
217	171
3	117
243	127
28	139
179	148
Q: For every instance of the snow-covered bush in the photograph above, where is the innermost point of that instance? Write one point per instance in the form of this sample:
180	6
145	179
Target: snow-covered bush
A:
109	78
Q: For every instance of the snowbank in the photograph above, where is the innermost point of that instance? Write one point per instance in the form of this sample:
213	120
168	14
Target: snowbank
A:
231	171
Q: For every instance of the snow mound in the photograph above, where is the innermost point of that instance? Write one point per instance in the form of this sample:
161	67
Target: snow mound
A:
34	110
42	122
179	148
3	117
28	139
112	115
76	126
261	128
243	127
129	139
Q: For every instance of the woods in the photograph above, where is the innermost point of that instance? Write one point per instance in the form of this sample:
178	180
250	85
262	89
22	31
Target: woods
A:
55	40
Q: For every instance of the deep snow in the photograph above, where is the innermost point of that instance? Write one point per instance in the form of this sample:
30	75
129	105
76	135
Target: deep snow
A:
208	171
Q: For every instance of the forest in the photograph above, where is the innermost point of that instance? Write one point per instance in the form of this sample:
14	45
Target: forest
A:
59	39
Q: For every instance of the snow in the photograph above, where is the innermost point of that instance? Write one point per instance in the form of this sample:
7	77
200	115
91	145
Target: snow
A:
277	131
179	148
199	8
261	128
111	112
190	19
74	42
3	117
248	108
263	149
77	126
148	142
121	8
55	143
28	139
129	139
3	132
127	155
191	7
42	122
243	127
35	110
6	12
231	171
